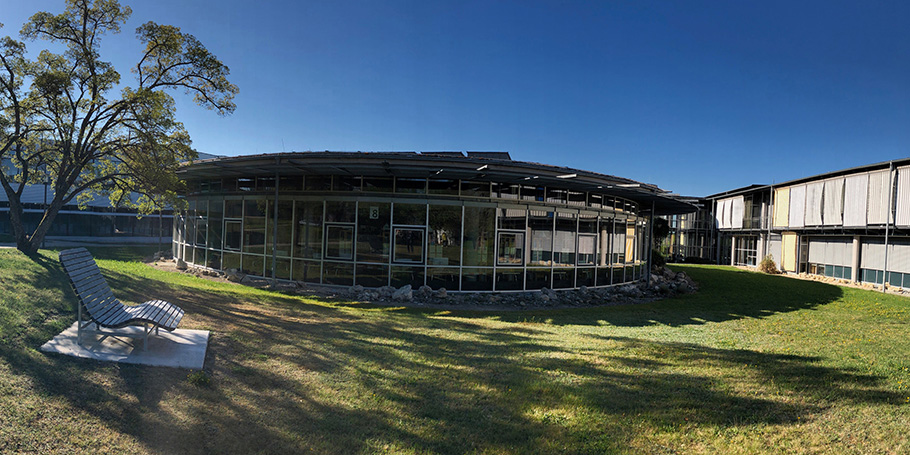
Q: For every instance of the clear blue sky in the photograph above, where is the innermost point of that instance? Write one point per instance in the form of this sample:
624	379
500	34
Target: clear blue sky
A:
696	97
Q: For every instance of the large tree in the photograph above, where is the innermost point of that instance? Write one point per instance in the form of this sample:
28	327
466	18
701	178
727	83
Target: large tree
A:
66	117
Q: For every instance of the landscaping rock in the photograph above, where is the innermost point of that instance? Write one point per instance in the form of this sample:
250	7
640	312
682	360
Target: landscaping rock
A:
442	293
403	294
234	275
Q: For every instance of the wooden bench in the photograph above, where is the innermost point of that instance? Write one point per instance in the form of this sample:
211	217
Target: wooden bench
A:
103	309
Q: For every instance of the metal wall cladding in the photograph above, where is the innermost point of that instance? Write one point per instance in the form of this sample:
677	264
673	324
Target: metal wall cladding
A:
831	251
719	214
877	209
902	206
899	256
856	194
833	201
797	206
782	207
774	248
872	255
736	213
814	193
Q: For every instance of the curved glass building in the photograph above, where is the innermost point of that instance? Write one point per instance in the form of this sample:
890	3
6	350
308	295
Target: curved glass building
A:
475	222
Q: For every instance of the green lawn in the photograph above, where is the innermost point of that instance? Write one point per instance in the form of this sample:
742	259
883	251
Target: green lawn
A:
751	364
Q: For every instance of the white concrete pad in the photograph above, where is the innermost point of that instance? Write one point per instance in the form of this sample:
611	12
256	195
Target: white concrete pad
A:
179	349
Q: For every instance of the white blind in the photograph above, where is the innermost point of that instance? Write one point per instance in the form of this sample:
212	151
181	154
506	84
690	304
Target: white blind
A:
817	251
899	257
736	214
797	206
774	248
586	244
814	203
832	215
856	191
878	198
873	254
902	217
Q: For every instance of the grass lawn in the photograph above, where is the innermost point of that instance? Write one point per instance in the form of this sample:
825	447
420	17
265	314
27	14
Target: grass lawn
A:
751	364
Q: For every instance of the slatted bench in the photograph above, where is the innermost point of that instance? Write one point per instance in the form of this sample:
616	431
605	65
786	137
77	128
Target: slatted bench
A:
103	309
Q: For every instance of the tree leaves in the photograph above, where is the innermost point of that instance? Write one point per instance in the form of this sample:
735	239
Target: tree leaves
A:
59	117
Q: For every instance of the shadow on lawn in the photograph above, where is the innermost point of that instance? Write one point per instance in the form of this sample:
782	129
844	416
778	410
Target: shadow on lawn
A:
725	294
291	377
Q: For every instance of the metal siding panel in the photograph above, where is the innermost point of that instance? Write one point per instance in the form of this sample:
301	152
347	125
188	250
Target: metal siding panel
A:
817	251
899	257
832	215
738	207
873	254
728	213
856	193
774	248
902	217
782	207
814	203
878	198
797	206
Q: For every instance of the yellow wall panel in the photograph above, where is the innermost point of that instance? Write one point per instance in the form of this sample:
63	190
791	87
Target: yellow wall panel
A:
782	207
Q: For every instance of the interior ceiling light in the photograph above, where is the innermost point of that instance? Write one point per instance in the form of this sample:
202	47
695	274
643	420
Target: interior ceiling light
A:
482	167
567	176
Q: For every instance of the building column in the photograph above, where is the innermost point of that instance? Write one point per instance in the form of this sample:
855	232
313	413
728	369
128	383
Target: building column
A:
854	273
733	251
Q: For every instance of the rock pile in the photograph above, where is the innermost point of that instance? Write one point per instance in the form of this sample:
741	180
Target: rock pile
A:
663	283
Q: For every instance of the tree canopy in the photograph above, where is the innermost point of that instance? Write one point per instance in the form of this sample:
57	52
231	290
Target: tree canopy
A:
67	118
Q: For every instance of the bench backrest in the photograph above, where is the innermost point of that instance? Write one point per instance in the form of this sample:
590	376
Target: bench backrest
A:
90	286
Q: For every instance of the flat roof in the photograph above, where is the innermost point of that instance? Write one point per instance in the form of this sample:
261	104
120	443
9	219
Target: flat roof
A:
488	166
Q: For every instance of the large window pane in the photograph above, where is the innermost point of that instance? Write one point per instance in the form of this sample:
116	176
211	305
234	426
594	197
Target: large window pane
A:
307	271
509	279
216	225
372	276
407	275
538	278
410	185
586	253
511	218
373	231
233	208
444	242
444	277
563	278
232	235
339	211
443	186
254	226
506	190
511	248
475	189
252	264
338	273
564	241
339	242
308	243
584	277
477	280
285	224
619	243
408	246
409	214
478	236
377	184
541	225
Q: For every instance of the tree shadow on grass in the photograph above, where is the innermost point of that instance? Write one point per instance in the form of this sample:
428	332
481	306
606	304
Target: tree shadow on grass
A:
724	294
291	377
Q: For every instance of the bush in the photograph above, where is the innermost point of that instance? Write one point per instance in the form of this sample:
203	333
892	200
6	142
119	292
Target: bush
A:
767	265
657	259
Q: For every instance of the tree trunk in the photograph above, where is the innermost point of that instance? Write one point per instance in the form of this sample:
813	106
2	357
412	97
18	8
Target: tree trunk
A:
25	243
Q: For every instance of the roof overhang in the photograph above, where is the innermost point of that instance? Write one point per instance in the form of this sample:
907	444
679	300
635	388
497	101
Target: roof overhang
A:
442	166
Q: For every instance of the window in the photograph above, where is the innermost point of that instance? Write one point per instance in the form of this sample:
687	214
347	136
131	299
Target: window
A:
373	231
339	242
444	242
408	246
586	251
232	234
308	243
511	248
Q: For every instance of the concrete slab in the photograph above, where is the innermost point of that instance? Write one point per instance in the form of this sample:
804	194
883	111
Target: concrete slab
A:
179	349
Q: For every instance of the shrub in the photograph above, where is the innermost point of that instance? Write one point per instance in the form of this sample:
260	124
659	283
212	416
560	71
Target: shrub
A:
657	259
767	265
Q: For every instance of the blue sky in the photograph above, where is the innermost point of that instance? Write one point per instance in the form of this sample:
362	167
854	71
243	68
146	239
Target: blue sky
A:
696	97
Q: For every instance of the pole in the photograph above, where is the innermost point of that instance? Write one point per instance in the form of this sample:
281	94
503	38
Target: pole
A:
275	225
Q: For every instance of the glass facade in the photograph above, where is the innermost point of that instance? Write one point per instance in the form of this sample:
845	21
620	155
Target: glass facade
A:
462	235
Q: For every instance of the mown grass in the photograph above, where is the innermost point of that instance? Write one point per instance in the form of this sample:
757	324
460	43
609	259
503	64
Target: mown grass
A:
751	364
